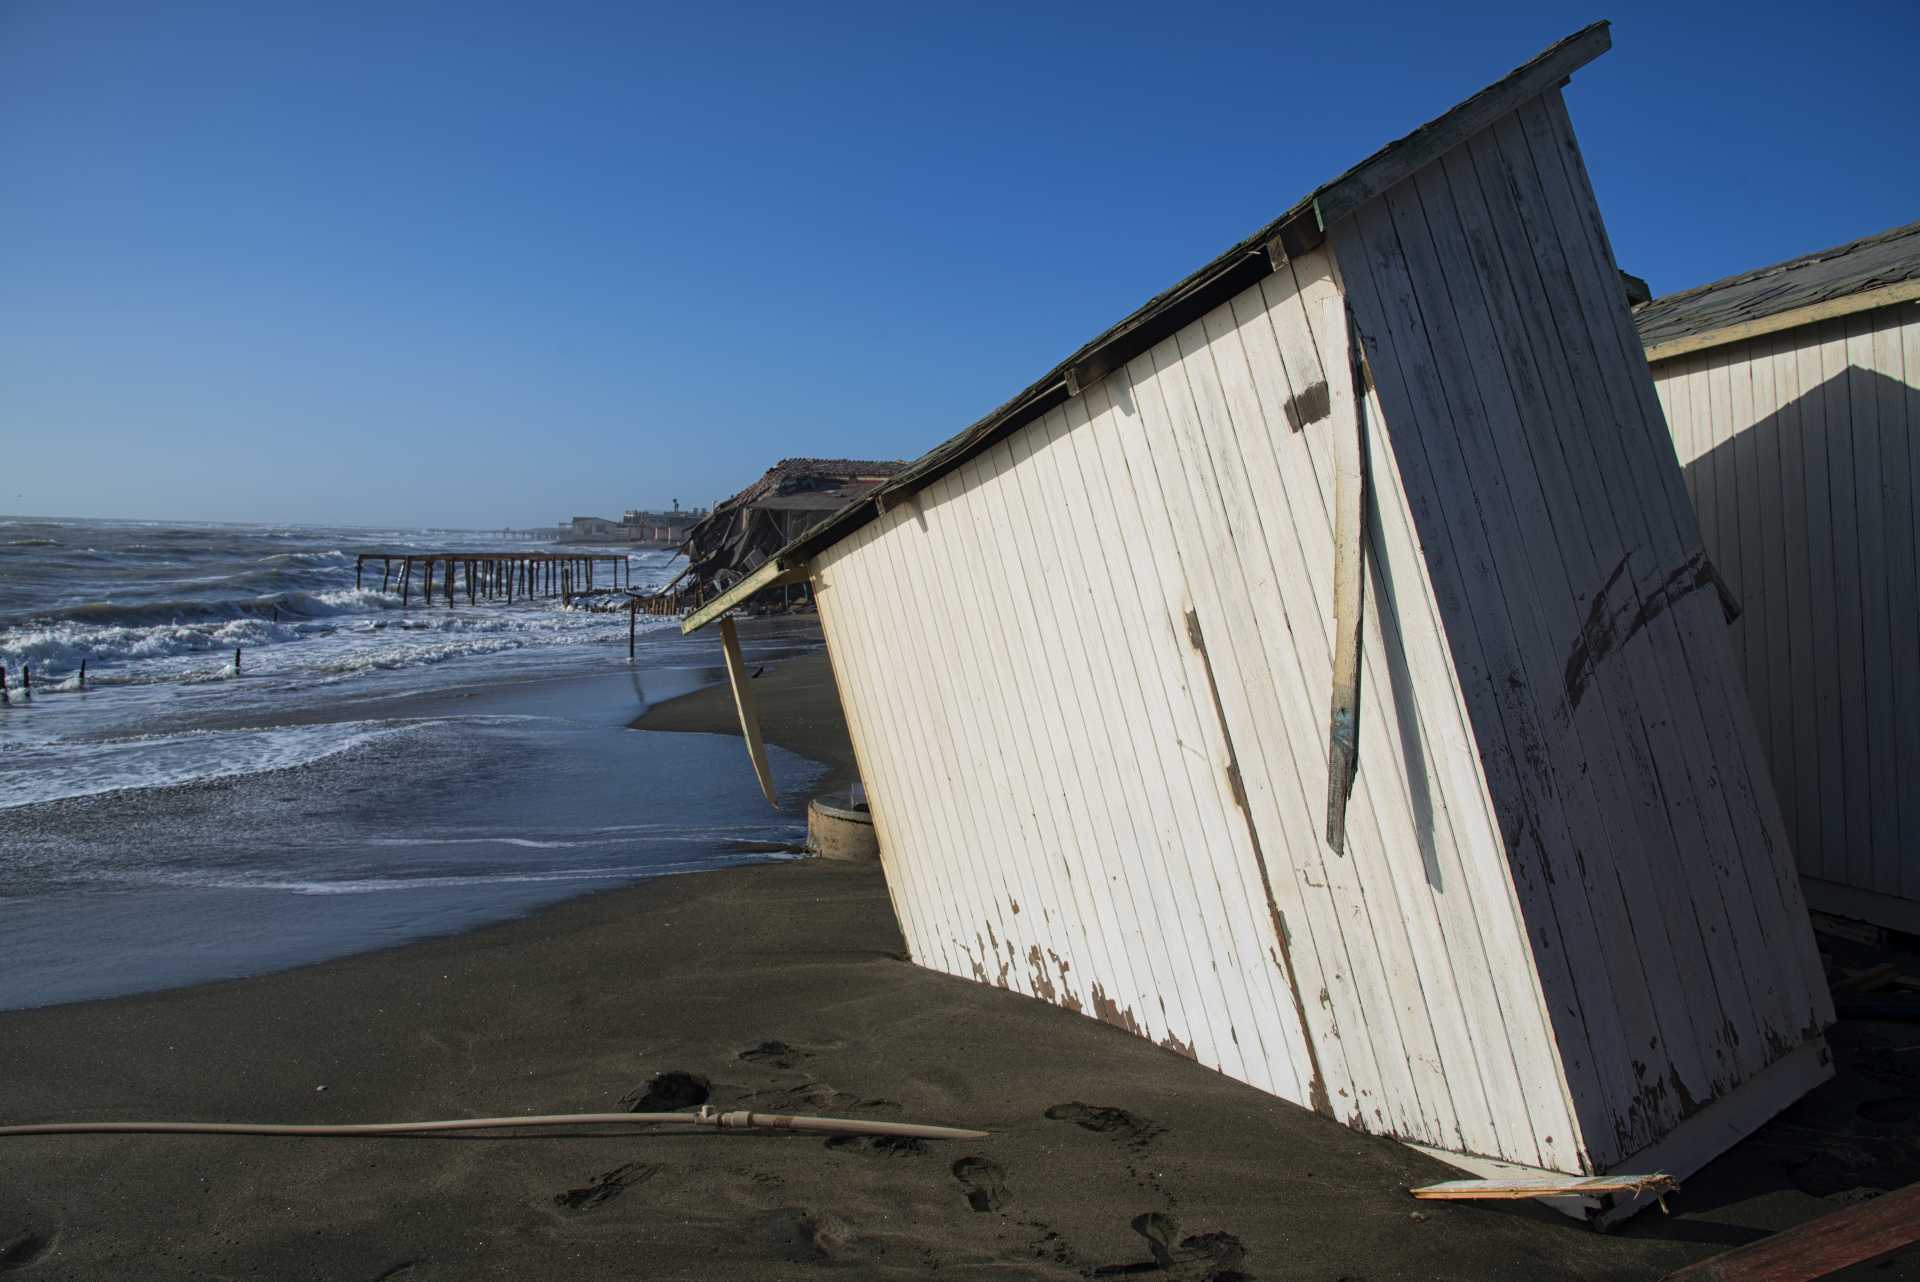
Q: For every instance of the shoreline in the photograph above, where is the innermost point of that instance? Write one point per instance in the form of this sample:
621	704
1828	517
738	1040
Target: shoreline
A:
469	804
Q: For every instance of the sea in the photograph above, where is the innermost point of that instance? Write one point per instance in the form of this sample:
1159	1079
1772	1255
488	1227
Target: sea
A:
370	773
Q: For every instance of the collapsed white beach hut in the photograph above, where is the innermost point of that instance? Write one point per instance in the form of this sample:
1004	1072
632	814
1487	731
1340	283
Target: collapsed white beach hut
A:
1357	720
1793	393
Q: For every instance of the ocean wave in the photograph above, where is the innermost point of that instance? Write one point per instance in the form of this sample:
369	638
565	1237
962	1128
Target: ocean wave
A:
375	885
33	543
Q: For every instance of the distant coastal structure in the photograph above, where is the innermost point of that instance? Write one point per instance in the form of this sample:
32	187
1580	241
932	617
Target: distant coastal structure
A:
636	526
1320	675
790	497
1793	395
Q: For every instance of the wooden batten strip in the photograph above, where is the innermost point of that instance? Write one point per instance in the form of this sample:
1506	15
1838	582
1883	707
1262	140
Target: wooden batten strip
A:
1349	574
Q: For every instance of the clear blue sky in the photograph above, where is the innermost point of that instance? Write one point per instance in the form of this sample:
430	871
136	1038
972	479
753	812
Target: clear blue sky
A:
477	263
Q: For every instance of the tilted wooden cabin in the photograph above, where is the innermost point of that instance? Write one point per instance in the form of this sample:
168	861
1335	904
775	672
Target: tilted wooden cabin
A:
1097	653
1793	393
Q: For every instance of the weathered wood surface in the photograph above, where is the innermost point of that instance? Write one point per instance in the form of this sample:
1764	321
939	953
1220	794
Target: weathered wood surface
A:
1820	1247
1800	450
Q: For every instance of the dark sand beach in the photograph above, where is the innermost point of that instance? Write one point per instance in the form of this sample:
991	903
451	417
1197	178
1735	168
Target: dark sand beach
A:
784	987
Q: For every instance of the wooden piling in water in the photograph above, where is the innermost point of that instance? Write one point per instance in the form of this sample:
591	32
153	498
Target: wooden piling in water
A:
6	700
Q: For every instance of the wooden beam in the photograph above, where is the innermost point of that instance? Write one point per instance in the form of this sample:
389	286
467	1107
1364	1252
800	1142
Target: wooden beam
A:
1525	1186
1794	317
1819	1247
772	572
743	704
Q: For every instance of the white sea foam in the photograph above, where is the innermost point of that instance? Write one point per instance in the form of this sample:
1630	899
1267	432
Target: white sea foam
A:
31	775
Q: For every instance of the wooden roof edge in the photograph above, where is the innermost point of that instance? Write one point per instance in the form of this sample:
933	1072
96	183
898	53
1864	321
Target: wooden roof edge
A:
1302	228
771	573
1793	318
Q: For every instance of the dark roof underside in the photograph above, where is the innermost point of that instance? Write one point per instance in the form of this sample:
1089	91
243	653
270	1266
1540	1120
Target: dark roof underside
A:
1853	268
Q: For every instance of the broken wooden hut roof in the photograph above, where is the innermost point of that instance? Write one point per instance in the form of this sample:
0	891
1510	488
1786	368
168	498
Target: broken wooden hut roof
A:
795	476
1300	229
1869	272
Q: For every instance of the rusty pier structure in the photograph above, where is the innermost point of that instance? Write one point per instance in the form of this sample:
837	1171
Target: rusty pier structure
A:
494	576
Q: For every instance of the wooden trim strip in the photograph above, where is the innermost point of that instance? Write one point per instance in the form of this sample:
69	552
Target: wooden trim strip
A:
1886	296
1349	573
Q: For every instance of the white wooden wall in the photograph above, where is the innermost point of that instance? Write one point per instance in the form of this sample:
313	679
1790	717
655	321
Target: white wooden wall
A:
1087	678
1642	829
1802	453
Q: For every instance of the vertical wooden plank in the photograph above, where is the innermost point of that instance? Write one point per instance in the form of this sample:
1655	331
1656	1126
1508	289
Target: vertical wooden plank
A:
1056	762
1470	890
1849	607
1670	749
1091	746
874	746
1255	993
1903	594
1060	523
1368	907
1446	420
1293	555
1222	630
1823	596
1057	927
1792	996
995	845
1909	322
1509	335
1412	1089
1869	496
1797	601
1774	706
913	791
947	844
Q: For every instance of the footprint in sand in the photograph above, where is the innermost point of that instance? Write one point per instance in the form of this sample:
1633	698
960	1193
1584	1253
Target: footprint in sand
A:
668	1092
18	1252
885	1145
1132	1129
1205	1257
984	1181
605	1187
774	1055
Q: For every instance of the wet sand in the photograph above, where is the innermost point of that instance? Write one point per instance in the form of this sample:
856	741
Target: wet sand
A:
783	987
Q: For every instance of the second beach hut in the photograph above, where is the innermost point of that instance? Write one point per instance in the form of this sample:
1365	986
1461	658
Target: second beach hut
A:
1320	675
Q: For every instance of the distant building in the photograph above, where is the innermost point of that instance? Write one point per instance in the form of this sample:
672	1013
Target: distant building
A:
1793	396
596	527
794	494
